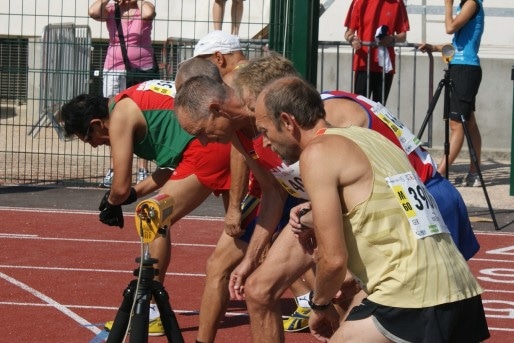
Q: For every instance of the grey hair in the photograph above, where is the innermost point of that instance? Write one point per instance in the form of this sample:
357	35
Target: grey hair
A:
195	67
196	95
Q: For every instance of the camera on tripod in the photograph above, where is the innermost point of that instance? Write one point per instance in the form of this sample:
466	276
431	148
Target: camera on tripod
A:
447	53
153	217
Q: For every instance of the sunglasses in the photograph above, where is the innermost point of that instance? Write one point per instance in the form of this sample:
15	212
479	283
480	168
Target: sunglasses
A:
87	136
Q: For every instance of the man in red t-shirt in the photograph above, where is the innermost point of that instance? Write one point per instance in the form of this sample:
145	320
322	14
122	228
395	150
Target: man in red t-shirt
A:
383	21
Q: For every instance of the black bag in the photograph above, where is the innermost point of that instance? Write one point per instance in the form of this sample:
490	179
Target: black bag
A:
134	75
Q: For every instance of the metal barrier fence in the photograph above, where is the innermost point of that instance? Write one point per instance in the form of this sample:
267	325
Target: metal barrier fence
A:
65	64
42	158
335	63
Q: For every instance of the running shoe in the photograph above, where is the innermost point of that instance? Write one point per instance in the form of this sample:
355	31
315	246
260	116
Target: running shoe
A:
107	181
471	180
155	327
142	174
298	321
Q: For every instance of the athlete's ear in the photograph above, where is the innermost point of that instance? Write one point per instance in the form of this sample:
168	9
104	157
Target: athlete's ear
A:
288	121
219	59
96	124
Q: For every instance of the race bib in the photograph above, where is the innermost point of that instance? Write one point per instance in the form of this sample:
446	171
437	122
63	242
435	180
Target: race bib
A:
289	178
163	87
407	139
419	205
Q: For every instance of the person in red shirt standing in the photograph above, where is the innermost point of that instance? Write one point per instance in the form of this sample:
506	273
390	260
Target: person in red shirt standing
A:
383	21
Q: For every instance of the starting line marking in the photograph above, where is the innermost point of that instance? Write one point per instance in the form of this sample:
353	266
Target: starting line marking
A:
52	303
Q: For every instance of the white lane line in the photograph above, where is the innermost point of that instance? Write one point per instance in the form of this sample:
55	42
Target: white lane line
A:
110	308
109	241
498	291
64	211
49	305
90	270
52	303
16	235
490	260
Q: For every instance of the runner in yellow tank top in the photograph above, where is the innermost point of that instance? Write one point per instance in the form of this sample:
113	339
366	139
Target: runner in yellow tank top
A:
371	215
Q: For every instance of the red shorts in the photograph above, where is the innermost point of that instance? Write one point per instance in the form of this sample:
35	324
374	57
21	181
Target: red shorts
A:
210	163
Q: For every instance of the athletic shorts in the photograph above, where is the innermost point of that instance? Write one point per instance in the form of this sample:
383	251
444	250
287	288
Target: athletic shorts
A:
113	82
375	85
460	321
210	163
466	79
455	214
251	215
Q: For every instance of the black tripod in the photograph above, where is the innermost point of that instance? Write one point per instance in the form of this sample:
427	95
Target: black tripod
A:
449	90
148	287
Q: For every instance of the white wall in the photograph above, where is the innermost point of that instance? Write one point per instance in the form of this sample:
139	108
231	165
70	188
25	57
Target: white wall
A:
193	19
185	18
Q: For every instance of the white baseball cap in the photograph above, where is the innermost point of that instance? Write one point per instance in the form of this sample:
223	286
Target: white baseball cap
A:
217	41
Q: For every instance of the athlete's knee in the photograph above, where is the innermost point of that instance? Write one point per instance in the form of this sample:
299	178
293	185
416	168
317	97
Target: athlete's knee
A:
216	269
258	292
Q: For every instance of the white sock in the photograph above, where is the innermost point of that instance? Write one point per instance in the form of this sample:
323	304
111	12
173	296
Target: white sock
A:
154	312
303	300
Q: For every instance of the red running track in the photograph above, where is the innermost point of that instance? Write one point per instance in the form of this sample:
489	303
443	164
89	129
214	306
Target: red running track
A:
62	275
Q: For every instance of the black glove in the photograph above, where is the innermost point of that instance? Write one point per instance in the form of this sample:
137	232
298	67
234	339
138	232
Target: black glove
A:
103	202
111	214
131	198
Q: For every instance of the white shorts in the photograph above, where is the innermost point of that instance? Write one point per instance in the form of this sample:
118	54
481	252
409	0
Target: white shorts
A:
114	81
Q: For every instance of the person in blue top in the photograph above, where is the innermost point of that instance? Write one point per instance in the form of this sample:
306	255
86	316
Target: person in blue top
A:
467	27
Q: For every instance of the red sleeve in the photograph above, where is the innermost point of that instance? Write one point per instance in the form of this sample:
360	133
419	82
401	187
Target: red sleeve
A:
402	19
351	21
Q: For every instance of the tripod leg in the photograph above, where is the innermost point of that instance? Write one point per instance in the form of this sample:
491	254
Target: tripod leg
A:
446	118
431	107
168	318
140	320
119	327
473	157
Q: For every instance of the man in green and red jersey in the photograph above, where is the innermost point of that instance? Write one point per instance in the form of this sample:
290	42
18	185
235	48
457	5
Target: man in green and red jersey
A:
141	121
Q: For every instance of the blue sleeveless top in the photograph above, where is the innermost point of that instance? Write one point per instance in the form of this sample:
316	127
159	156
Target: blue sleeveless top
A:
467	40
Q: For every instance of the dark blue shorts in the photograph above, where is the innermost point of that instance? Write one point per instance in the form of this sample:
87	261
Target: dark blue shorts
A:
455	214
251	214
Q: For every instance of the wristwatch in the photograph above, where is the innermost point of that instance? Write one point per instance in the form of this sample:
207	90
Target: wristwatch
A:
315	306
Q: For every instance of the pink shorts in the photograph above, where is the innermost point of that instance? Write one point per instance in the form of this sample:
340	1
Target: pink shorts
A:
210	163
